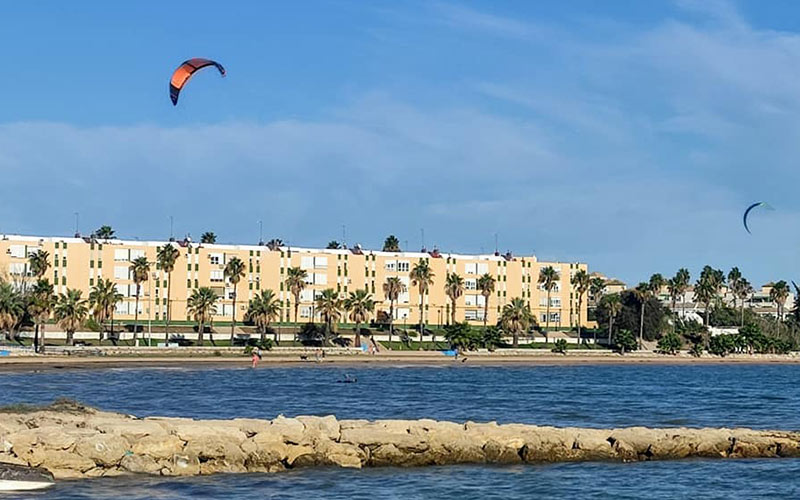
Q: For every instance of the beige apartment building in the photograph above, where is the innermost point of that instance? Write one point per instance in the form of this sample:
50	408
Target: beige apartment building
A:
79	262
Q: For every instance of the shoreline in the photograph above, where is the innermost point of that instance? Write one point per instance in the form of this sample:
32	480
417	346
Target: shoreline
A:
397	359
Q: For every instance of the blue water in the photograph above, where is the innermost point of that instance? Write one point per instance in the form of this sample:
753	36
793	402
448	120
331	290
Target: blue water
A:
760	396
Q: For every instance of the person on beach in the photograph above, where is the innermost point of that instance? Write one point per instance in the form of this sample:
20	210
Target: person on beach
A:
256	356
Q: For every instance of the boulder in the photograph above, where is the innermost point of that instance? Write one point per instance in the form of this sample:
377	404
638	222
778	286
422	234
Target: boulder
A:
158	447
139	464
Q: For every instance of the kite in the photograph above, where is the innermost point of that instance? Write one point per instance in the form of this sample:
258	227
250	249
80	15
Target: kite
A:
185	72
747	212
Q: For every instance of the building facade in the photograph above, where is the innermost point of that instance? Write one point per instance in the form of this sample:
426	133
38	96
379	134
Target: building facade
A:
78	263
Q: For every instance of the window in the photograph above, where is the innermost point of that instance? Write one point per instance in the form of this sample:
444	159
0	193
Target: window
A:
470	268
403	266
305	311
470	284
555	301
471	315
320	262
17	268
215	258
217	276
307	263
320	279
121	272
17	251
390	265
135	254
120	255
483	268
306	296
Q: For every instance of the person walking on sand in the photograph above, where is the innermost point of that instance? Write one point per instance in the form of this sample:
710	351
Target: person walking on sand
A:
256	356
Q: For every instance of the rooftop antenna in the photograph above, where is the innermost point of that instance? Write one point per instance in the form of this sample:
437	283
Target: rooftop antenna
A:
344	236
77	221
171	223
260	232
495	243
422	231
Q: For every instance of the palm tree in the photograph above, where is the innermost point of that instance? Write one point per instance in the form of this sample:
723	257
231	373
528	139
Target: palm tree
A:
677	287
454	288
548	278
38	263
40	307
707	288
486	286
274	243
296	282
778	295
516	318
70	312
581	282
642	293
202	306
329	306
166	258
614	304
140	271
360	304
333	245
103	299
262	310
104	233
392	289
597	287
208	238
743	291
422	277
391	244
234	271
11	309
734	277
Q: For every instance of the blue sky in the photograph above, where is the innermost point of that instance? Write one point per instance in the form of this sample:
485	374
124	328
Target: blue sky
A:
628	134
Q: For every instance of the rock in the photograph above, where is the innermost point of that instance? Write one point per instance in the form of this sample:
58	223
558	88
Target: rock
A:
61	460
290	429
102	449
183	465
158	447
321	427
139	464
133	430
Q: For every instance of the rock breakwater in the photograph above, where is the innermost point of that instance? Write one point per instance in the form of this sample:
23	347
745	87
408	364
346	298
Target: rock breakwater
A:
89	443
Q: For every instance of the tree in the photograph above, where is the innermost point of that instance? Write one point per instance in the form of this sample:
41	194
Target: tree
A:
734	277
461	336
597	287
329	306
422	277
202	306
70	312
516	318
392	289
625	342
486	286
778	295
262	310
334	245
391	244
642	292
581	283
140	272
669	343
629	315
103	299
743	291
104	233
360	305
40	307
548	279
208	238
682	279
454	288
614	305
166	256
11	309
39	263
295	283
234	271
274	243
708	287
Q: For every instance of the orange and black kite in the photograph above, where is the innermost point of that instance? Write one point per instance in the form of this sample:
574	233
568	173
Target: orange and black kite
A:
185	71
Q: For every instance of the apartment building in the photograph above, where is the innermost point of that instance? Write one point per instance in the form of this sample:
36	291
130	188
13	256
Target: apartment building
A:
79	262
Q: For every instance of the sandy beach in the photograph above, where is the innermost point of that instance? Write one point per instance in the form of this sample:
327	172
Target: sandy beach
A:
401	358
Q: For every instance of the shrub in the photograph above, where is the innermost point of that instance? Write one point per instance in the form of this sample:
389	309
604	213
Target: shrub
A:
722	345
624	341
696	350
492	338
560	346
669	344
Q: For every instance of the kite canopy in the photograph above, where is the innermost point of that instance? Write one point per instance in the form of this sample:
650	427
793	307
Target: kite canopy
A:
751	207
185	72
